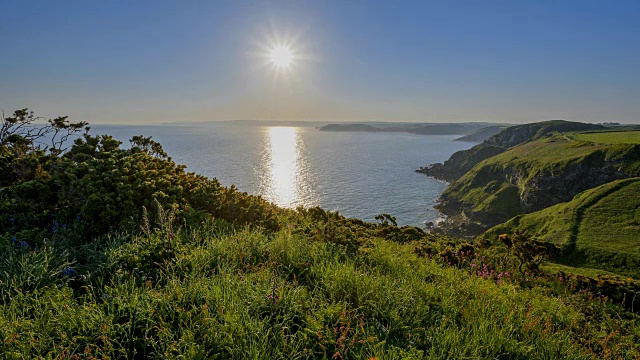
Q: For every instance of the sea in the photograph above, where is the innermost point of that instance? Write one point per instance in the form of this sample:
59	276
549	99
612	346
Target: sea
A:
358	174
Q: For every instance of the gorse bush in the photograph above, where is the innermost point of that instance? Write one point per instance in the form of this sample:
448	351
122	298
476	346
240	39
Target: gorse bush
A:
119	253
105	187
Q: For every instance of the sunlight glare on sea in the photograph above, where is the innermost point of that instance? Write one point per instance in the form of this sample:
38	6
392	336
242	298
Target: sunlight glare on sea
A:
282	158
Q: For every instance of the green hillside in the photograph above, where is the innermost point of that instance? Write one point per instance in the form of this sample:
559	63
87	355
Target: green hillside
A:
599	228
462	161
535	175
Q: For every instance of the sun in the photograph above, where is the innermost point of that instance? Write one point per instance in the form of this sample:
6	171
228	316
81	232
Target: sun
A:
281	56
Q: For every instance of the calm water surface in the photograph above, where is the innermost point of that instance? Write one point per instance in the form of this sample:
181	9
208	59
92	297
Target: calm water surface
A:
359	174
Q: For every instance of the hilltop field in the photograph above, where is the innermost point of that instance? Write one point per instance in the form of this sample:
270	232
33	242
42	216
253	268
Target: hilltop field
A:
611	137
108	252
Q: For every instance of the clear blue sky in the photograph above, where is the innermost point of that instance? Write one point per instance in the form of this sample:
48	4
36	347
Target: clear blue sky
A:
158	61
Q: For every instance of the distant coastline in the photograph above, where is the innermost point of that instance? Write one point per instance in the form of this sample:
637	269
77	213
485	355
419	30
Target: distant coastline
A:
471	131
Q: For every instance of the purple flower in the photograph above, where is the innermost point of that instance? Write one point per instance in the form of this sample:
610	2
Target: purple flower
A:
22	244
273	297
68	272
12	220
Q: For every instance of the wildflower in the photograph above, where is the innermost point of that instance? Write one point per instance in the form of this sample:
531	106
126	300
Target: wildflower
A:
55	226
273	297
68	272
12	220
23	244
77	217
106	296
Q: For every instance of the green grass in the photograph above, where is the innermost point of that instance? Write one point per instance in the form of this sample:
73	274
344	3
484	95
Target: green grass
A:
535	175
208	297
611	137
600	228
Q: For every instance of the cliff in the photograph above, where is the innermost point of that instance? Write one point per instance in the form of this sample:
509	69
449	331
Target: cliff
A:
462	161
533	176
597	229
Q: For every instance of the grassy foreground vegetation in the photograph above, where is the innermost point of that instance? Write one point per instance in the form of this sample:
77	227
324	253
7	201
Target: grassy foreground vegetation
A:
244	294
108	252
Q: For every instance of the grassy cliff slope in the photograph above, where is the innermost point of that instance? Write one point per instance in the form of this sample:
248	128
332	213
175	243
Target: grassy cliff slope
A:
535	175
599	228
462	161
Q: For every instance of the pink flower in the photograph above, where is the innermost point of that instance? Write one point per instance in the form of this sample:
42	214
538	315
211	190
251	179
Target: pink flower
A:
273	297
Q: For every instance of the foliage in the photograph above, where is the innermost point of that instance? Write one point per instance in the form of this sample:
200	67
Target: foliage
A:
105	187
247	294
113	253
524	251
598	228
536	175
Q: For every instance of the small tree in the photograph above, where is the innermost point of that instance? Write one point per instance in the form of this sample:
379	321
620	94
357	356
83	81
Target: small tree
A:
148	145
386	220
22	133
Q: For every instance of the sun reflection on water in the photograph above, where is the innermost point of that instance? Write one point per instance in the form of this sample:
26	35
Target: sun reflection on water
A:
283	166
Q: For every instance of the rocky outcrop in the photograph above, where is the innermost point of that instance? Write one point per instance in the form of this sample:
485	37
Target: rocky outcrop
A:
460	162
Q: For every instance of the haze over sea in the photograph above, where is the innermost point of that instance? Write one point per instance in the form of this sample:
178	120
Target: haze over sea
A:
358	174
